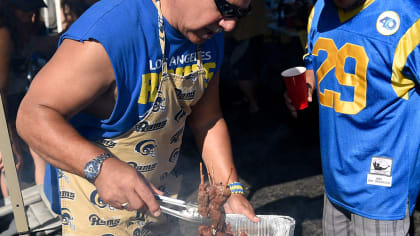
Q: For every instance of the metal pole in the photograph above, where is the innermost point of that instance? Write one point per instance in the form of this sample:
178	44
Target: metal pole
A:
11	176
58	16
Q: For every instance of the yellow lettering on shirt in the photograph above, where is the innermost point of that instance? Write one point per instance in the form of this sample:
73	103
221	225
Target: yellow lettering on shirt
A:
151	81
149	87
209	75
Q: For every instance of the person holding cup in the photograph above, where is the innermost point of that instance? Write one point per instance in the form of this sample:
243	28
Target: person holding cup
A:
299	88
362	55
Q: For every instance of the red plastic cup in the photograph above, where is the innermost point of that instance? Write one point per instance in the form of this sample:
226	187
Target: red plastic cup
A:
295	81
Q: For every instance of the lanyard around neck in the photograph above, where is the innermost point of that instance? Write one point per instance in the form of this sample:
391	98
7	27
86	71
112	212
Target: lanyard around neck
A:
162	37
162	40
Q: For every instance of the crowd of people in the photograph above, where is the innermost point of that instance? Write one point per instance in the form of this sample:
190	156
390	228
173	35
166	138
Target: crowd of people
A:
146	69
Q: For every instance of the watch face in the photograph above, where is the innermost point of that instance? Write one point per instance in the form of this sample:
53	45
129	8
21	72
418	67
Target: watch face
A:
93	167
92	170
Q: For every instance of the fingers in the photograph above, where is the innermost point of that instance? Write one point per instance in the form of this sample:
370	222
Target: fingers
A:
228	208
240	205
310	92
156	190
129	201
310	83
144	191
249	212
134	190
289	105
133	203
124	205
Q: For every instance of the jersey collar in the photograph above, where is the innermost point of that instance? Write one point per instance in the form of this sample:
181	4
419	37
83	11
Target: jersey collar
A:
344	16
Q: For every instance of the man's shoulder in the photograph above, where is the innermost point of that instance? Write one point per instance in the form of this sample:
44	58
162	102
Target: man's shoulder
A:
111	17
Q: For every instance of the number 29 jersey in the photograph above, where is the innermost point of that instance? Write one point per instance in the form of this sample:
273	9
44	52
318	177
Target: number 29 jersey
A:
367	69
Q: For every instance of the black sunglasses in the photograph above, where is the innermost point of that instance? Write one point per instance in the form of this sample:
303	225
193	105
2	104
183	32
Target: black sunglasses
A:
230	10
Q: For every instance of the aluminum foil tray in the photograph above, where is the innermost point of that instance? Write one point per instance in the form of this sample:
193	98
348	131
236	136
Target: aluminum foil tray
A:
269	225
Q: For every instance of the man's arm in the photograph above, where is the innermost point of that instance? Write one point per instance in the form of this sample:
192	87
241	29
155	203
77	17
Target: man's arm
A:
5	51
212	138
73	79
67	84
6	47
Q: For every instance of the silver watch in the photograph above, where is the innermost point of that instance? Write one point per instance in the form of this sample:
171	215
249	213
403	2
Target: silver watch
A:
93	167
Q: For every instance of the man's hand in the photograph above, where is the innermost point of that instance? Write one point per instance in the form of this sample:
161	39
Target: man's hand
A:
310	84
238	204
118	183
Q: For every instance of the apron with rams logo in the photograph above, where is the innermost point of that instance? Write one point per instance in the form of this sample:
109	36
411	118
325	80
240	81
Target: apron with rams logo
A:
152	147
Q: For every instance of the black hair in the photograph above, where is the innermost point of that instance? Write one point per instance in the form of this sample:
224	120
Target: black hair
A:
76	6
9	20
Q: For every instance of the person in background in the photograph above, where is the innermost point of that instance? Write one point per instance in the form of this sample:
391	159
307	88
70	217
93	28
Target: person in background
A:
245	44
29	44
363	59
20	29
71	10
110	107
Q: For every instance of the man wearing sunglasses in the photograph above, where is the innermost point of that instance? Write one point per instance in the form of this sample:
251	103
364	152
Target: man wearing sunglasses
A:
110	107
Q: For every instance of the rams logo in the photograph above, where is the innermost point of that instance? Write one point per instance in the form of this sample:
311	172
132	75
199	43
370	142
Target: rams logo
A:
175	138
180	114
191	76
109	143
184	96
160	103
174	156
144	126
67	195
142	169
147	147
67	219
141	232
97	201
95	220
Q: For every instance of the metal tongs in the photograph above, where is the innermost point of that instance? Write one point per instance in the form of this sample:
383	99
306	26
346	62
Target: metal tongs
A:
183	210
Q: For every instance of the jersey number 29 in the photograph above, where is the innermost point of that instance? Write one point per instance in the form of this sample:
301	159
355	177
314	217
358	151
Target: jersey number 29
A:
336	59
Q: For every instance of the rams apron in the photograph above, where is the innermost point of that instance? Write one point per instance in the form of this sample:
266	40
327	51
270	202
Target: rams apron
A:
151	147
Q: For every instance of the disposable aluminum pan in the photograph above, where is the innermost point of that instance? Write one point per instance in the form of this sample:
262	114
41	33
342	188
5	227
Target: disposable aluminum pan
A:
269	225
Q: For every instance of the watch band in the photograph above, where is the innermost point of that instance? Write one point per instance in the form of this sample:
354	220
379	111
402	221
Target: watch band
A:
102	157
93	167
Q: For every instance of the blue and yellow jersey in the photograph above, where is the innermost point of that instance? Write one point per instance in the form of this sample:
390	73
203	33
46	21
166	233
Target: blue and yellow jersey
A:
367	69
128	30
